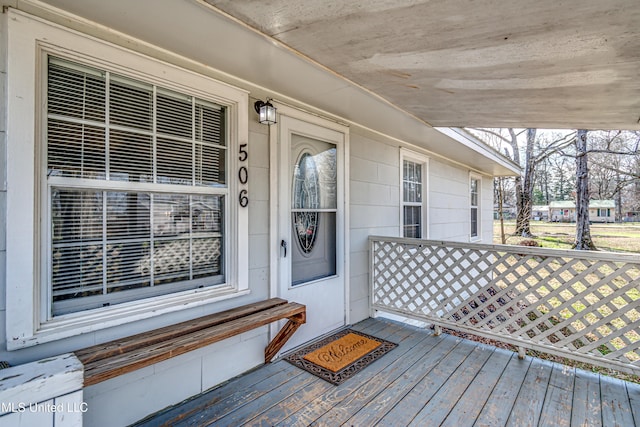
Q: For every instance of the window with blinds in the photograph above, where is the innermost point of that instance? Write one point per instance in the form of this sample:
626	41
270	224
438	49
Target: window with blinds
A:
137	188
474	199
412	199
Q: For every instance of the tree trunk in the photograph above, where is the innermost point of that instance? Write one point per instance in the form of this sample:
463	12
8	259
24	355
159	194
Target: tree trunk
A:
525	196
583	233
503	238
618	214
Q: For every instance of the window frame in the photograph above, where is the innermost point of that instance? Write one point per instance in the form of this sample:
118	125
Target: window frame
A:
477	207
415	157
28	318
111	183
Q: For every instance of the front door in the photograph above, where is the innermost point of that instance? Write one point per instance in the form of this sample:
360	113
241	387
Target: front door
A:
311	224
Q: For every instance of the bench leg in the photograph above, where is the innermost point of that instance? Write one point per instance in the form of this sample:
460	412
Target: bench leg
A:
283	336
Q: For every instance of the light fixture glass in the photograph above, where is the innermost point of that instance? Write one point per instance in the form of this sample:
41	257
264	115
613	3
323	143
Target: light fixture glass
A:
266	112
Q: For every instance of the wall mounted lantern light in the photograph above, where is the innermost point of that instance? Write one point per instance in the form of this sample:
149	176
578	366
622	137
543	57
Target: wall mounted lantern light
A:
266	111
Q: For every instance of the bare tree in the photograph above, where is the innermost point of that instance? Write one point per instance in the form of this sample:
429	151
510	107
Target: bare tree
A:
614	158
563	175
496	139
543	183
583	232
614	155
535	151
525	197
499	192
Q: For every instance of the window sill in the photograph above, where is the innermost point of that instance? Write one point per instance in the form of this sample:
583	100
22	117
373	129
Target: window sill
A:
70	325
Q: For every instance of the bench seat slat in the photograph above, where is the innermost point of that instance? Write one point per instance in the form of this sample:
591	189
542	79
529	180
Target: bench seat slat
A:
98	370
145	339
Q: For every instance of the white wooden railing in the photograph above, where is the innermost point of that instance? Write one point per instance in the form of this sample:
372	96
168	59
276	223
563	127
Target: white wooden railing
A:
577	304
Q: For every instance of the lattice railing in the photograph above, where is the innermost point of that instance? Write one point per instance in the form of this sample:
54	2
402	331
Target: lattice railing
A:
577	304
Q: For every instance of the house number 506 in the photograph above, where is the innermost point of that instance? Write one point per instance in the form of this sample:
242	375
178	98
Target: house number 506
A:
243	176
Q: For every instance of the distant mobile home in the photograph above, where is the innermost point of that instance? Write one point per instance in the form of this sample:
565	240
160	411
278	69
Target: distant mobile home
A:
599	211
602	211
540	212
562	211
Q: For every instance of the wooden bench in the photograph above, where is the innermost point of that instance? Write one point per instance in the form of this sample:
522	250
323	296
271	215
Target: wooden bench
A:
104	361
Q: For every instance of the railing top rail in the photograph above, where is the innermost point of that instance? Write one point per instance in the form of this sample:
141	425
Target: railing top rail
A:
521	250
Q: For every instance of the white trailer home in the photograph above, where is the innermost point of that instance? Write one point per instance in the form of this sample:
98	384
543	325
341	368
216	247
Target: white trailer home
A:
157	239
599	211
140	191
602	211
562	211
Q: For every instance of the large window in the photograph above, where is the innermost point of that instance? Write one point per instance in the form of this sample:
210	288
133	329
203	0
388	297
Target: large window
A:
164	232
136	210
474	186
414	172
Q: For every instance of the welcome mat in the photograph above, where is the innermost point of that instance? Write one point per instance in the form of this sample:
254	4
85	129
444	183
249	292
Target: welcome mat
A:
341	355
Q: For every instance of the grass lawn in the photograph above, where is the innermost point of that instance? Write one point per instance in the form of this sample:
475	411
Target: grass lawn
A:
624	237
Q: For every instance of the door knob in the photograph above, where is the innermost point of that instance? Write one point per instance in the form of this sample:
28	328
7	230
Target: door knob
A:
283	245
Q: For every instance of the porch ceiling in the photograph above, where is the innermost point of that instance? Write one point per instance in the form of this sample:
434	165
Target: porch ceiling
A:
480	63
209	41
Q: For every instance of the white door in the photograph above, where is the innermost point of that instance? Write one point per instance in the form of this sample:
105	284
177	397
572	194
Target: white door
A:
311	224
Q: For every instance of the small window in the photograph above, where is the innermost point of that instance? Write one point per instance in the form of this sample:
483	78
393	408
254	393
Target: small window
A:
413	195
604	212
474	205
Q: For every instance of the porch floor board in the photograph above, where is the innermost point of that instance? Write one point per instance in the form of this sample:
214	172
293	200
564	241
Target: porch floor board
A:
426	380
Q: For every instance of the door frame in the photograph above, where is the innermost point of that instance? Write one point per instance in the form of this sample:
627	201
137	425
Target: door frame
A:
274	197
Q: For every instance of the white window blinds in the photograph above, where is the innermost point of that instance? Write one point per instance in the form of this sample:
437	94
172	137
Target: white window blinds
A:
412	199
474	202
136	179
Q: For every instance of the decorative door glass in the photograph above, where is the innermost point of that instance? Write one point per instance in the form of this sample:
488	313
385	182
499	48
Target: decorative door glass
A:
313	209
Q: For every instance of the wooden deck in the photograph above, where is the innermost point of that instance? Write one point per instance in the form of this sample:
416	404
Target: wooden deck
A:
425	381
